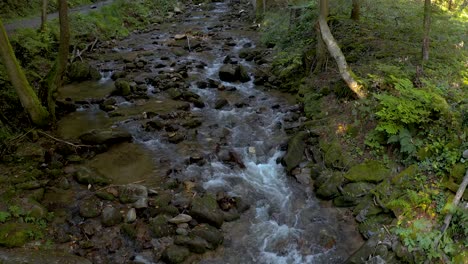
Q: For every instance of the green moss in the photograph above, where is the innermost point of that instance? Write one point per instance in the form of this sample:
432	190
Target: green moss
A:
295	151
458	172
370	171
16	234
333	154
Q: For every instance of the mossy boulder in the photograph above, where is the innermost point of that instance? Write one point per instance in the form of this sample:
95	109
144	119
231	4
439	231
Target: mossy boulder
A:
90	207
206	210
85	175
16	234
160	227
122	87
373	225
327	184
334	155
82	71
296	146
106	136
174	254
458	172
369	171
193	243
211	234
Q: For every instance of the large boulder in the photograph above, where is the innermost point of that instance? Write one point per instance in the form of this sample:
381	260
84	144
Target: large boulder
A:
233	73
211	234
122	87
369	171
328	184
82	71
105	136
205	209
295	151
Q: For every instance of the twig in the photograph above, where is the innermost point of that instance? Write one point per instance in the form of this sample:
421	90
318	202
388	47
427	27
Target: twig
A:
63	141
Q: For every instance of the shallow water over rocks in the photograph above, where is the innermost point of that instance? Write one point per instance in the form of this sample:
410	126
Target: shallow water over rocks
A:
228	137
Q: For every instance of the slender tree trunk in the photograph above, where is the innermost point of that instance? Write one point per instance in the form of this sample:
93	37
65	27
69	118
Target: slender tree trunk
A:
427	28
321	53
55	77
450	4
45	3
356	10
337	54
26	94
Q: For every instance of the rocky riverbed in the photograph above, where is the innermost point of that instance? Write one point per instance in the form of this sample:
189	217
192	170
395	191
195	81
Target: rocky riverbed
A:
175	147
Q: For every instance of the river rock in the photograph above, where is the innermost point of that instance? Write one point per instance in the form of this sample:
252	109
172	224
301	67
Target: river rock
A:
327	184
296	147
42	256
211	234
205	209
370	171
174	254
105	136
85	175
111	216
367	250
122	88
131	216
160	227
181	218
193	243
241	74
227	73
90	207
131	193
82	71
220	103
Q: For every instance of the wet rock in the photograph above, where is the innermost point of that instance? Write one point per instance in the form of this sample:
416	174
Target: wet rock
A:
131	216
231	215
15	234
220	103
327	184
202	84
118	75
227	73
82	71
90	207
160	227
42	256
192	123
174	93
370	171
193	243
296	147
176	138
367	250
209	233
131	193
181	218
197	102
85	175
174	254
111	216
104	195
242	74
105	136
154	124
122	88
205	209
182	231
141	203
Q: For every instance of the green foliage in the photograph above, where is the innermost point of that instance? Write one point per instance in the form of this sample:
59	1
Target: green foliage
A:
15	210
4	216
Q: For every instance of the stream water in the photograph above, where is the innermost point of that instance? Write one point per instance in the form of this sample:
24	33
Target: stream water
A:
286	223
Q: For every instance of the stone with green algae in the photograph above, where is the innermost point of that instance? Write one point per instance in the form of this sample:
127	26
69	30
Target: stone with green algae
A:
15	234
369	171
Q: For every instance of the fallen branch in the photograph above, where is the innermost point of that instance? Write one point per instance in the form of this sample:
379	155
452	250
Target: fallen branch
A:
455	202
76	53
65	142
340	59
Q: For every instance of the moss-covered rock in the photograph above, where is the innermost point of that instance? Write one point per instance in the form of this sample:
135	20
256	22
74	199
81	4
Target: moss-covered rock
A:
122	88
160	227
329	182
296	146
90	207
82	71
174	254
370	171
16	234
373	225
206	210
85	175
211	234
193	243
333	155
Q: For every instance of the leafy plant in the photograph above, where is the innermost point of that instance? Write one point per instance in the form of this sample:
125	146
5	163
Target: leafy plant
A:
4	216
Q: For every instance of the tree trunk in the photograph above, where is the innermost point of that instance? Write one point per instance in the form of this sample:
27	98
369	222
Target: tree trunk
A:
337	54
356	10
450	4
427	28
55	77
44	15
321	53
26	94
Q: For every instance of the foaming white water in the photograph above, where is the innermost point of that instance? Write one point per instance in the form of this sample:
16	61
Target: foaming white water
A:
105	76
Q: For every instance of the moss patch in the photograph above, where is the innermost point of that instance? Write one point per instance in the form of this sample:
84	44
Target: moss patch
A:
370	171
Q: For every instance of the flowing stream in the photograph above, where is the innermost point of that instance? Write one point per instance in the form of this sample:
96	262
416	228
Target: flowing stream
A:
286	223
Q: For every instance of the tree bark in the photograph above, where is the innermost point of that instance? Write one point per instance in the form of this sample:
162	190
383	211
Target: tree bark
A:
55	77
26	94
427	28
45	3
356	10
450	4
337	54
321	53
